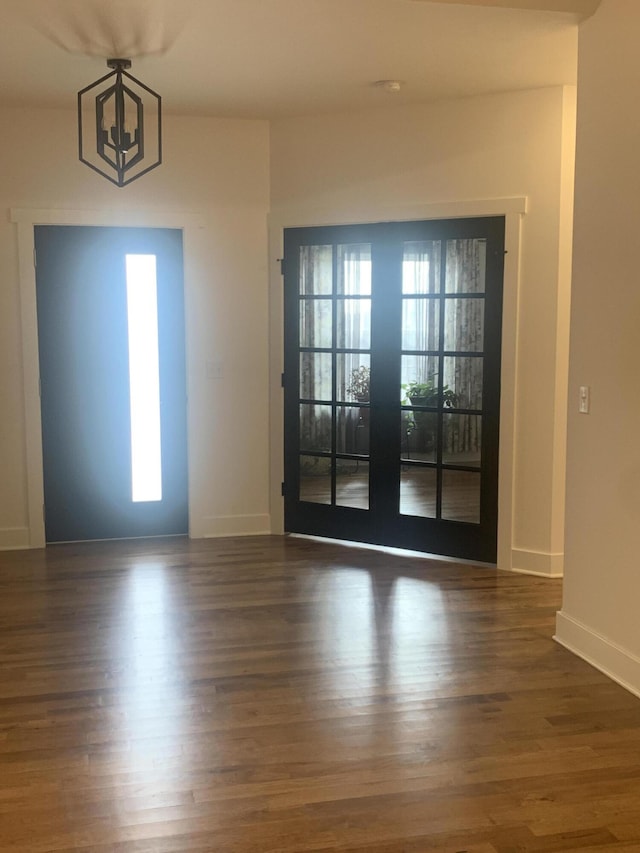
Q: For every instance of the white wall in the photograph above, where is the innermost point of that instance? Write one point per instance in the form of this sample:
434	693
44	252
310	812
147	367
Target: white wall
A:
521	144
220	169
599	617
358	166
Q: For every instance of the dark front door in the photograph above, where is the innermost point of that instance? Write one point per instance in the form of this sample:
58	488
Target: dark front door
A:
392	383
112	375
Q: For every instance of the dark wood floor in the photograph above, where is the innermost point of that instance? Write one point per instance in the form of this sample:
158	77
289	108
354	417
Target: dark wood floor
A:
274	694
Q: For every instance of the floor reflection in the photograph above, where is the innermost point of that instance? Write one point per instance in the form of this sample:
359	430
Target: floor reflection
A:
282	694
150	675
418	490
376	632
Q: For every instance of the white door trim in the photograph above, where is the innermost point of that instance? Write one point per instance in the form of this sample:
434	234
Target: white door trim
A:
513	210
26	219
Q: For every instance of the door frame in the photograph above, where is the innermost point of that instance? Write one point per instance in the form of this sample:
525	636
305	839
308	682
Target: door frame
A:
26	219
512	209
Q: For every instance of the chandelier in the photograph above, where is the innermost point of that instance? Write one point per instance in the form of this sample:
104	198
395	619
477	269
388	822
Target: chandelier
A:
119	125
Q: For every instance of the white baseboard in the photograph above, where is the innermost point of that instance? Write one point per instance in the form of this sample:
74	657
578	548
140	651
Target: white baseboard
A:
538	563
14	538
611	659
231	525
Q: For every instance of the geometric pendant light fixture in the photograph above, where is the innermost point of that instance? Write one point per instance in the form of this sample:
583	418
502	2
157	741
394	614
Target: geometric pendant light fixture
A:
119	125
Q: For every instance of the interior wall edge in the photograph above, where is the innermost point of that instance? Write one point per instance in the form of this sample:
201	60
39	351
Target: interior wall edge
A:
608	657
540	563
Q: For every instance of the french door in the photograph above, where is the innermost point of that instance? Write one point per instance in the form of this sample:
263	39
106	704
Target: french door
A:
112	376
392	383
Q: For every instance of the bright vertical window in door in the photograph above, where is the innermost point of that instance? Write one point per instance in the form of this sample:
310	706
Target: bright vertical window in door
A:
144	378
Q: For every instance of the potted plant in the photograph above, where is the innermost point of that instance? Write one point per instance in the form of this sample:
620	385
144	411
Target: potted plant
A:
426	394
421	427
358	387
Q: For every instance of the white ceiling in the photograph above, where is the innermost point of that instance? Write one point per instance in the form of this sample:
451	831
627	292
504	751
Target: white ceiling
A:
270	58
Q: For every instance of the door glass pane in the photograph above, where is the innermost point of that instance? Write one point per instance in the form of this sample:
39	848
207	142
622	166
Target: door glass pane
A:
315	323
354	323
406	429
315	375
353	377
461	496
352	430
352	483
144	378
420	324
464	325
419	435
462	439
463	376
418	487
419	380
466	266
421	267
316	270
315	479
315	427
354	269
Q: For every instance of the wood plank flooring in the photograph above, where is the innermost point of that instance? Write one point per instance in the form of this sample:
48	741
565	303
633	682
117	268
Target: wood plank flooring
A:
276	694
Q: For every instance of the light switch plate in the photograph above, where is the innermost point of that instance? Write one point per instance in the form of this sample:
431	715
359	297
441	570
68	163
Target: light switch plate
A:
585	400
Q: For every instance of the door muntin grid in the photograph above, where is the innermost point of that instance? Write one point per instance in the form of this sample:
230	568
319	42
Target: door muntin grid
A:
442	355
334	347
